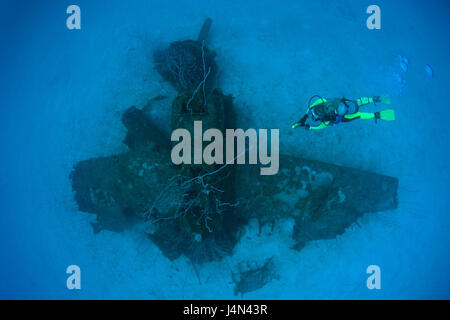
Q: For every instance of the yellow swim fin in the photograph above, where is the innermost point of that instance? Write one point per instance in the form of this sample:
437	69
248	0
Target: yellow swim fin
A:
385	99
387	115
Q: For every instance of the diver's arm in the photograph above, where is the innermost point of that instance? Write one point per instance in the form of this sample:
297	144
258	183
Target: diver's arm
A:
303	120
300	123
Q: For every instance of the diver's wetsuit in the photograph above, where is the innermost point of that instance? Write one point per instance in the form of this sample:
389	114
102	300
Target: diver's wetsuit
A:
325	111
352	107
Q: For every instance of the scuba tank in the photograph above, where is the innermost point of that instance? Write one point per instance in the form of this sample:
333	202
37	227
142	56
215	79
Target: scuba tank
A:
326	111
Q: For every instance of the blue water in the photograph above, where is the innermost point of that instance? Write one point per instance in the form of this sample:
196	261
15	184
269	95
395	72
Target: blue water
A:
62	93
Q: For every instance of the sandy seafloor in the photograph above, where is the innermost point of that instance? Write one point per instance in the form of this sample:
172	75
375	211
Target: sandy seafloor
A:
62	94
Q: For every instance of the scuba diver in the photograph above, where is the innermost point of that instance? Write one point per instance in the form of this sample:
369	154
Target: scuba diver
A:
337	110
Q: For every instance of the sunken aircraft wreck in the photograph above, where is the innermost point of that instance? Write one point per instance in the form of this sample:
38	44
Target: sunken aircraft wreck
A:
199	211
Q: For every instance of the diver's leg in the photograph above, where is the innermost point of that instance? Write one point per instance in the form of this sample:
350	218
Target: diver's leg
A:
359	115
369	115
387	115
384	99
364	101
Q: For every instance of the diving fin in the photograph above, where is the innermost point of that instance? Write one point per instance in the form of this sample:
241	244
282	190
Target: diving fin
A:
387	115
385	99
